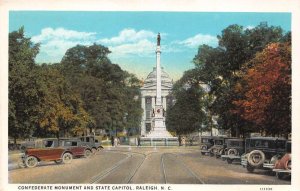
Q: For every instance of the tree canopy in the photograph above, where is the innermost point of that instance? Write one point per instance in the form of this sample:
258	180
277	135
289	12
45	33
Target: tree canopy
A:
223	68
84	91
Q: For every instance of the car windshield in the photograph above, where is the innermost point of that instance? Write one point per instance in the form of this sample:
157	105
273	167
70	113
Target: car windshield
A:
204	140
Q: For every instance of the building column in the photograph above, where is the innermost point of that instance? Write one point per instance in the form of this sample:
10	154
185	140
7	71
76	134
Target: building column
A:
165	103
143	125
153	104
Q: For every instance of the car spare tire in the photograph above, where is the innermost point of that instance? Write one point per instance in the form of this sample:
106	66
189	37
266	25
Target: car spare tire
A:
232	152
203	147
256	158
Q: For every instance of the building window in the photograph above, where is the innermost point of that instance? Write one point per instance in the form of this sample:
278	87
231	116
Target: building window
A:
148	114
148	100
148	127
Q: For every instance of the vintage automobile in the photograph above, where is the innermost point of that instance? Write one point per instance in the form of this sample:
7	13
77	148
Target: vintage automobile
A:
205	143
234	149
47	150
91	142
59	151
219	147
262	152
283	167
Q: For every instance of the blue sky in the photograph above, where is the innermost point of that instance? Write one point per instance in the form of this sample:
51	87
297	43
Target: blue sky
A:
131	36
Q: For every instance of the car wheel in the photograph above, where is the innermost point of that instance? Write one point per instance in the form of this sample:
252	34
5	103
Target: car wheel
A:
232	152
256	158
280	175
31	162
58	161
94	150
67	158
229	161
99	148
250	168
87	153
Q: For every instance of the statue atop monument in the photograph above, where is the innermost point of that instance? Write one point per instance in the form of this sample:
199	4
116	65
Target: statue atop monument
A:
158	39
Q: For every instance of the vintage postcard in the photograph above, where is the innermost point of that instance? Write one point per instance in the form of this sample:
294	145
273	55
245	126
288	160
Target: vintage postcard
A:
149	95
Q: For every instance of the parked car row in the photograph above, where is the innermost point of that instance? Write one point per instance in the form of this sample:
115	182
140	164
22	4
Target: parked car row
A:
61	150
267	153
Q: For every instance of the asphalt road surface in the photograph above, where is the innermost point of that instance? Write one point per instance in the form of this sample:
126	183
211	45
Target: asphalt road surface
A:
134	165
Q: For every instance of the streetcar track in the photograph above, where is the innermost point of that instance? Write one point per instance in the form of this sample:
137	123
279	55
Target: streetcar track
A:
112	169
145	156
106	172
182	164
195	175
163	169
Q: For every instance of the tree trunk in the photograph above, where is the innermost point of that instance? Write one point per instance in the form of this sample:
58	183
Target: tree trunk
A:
237	132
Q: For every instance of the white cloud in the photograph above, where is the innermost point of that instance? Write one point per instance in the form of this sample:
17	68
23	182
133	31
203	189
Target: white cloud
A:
130	42
140	48
63	34
55	42
249	27
199	39
129	35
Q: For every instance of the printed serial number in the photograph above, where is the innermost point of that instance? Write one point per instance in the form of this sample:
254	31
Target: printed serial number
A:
265	189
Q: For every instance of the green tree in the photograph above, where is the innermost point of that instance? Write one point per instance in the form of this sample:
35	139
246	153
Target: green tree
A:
23	91
186	114
108	92
60	109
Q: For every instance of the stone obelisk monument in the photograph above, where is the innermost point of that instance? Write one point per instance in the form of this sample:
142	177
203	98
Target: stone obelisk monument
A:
159	128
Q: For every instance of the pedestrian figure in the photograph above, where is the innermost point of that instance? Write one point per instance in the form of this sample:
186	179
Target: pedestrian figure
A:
139	141
183	141
112	140
116	141
179	140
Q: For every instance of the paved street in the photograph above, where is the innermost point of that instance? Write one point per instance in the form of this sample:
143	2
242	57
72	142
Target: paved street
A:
124	165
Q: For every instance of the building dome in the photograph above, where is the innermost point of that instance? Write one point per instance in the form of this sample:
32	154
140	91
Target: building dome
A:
150	81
